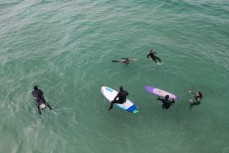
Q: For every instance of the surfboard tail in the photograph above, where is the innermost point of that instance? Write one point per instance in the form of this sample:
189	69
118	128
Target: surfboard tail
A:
133	109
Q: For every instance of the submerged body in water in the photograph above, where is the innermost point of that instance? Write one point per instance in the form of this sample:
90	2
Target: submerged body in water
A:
39	99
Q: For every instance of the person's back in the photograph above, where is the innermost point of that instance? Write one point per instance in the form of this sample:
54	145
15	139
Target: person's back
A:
122	95
166	102
37	93
126	60
151	54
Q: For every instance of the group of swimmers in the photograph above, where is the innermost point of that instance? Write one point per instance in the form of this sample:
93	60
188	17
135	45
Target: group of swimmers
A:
166	101
120	98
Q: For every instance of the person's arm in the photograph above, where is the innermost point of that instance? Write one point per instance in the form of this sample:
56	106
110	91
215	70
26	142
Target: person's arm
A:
127	93
34	95
148	55
173	101
41	92
159	98
116	97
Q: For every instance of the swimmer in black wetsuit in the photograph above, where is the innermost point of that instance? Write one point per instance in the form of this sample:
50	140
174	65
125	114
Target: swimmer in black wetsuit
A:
121	96
39	98
166	102
197	96
124	60
153	56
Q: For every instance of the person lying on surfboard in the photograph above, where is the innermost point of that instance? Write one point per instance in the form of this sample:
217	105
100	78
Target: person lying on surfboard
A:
153	56
197	96
125	60
120	98
166	102
39	98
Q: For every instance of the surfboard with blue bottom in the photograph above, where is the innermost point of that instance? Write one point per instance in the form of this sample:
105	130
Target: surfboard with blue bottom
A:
110	94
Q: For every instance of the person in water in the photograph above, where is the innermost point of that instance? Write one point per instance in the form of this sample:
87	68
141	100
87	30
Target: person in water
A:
120	98
197	98
153	56
124	60
166	102
39	98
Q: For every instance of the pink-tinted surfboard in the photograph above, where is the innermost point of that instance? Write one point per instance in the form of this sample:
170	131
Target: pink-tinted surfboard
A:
160	92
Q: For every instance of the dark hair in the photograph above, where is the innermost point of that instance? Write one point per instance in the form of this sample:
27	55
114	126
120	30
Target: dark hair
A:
167	97
201	96
35	87
121	88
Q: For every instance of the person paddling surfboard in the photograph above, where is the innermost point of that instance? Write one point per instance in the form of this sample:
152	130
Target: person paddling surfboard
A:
153	56
39	99
125	60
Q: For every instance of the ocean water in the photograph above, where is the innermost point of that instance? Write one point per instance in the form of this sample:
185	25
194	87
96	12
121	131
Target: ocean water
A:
66	48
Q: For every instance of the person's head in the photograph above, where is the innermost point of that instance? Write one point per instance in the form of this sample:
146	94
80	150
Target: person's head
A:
35	87
199	94
121	88
167	97
151	51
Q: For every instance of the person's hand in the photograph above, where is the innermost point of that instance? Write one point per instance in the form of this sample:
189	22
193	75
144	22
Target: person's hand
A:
190	91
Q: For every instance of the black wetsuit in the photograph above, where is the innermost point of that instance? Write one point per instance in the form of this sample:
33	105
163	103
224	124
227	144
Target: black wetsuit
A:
166	102
153	56
197	102
127	61
121	96
38	95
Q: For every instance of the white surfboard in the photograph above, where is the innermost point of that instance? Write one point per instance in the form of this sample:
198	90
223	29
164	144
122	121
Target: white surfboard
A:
110	95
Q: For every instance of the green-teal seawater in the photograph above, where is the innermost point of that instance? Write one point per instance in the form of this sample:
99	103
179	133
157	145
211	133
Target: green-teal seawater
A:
66	48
